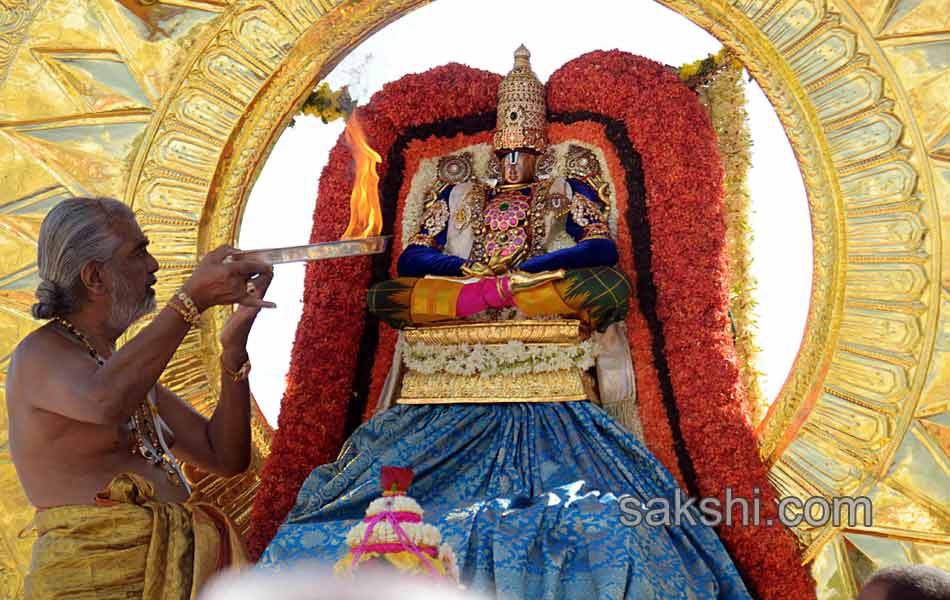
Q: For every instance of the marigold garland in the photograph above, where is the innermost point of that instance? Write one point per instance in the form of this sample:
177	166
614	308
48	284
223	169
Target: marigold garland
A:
683	177
700	71
328	104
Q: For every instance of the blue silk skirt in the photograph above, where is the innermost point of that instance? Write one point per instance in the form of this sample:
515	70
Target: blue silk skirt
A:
528	496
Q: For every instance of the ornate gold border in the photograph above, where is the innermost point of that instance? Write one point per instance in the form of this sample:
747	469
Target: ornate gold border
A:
566	385
527	331
856	85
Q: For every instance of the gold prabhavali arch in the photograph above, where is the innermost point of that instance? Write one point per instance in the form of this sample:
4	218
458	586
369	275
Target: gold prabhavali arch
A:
174	105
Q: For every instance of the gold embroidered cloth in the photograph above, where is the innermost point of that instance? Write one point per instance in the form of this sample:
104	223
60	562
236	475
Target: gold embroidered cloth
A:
129	545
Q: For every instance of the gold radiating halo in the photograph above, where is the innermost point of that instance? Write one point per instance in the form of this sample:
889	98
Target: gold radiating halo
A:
193	110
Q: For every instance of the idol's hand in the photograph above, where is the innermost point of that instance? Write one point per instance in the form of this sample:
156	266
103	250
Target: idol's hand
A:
500	265
477	269
497	265
238	326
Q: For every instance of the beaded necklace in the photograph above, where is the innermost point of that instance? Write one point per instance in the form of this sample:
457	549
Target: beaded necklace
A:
147	439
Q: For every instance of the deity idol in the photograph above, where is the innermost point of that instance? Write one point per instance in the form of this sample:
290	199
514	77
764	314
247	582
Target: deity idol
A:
541	498
504	236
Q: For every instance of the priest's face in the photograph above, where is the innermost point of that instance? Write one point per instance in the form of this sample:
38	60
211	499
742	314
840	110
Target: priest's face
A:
517	167
131	274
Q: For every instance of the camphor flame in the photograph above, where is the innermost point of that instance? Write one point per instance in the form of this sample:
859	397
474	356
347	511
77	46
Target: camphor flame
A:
366	217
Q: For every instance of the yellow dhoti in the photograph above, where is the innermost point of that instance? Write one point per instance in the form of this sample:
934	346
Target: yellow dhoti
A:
130	546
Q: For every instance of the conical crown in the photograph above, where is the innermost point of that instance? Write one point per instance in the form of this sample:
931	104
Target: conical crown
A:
521	109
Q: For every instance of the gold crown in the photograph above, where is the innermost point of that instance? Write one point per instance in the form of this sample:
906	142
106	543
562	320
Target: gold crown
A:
521	109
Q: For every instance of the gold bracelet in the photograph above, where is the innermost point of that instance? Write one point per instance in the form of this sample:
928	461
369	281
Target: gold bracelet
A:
239	375
189	304
185	314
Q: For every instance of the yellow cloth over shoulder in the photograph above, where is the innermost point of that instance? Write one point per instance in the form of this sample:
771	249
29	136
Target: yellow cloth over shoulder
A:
130	546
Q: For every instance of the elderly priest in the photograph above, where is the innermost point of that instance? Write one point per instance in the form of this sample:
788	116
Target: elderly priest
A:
91	429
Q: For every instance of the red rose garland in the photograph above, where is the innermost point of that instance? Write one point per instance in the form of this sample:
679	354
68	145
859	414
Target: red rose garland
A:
670	130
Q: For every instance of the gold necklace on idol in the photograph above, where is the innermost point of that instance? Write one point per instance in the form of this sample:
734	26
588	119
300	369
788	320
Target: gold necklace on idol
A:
146	441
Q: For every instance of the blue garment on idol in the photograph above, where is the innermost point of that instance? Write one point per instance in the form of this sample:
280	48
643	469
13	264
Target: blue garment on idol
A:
528	495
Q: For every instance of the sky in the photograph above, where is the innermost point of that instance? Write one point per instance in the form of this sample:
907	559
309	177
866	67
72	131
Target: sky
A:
484	35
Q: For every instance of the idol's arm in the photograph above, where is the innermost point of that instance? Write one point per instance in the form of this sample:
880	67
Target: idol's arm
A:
419	261
423	255
587	224
597	252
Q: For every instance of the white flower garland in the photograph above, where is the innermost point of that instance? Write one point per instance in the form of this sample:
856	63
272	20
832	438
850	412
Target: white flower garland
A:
393	504
421	534
488	360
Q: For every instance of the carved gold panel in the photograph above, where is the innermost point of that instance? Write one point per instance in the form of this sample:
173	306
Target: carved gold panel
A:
444	388
174	105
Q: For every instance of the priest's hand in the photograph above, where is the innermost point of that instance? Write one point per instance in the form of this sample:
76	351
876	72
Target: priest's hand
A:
235	332
217	281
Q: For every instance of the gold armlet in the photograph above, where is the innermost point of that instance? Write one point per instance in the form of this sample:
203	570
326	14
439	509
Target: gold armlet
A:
420	239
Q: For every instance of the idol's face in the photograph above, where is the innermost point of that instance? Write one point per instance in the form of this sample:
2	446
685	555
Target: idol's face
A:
517	167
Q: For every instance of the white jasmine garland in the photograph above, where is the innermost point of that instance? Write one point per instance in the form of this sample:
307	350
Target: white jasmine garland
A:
393	504
487	360
421	534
